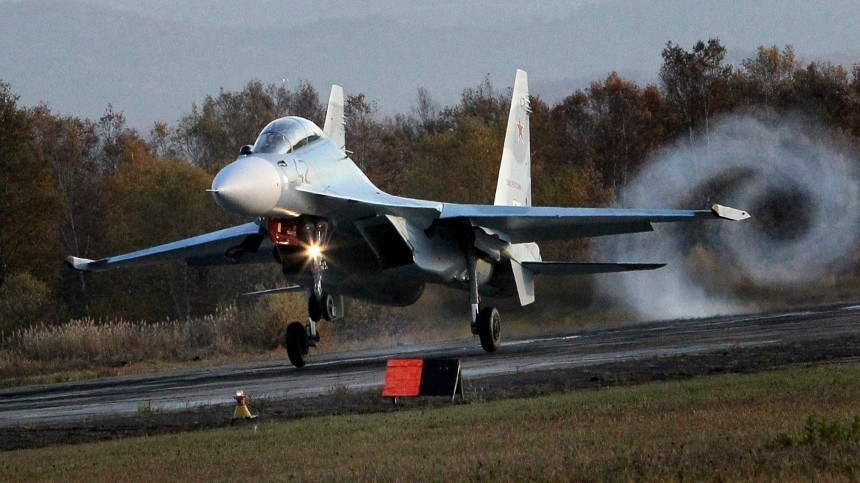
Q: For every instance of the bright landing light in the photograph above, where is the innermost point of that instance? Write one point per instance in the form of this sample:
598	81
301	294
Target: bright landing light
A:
314	251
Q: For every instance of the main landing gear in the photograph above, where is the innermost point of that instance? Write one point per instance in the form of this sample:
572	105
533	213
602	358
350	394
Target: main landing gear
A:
323	308
486	323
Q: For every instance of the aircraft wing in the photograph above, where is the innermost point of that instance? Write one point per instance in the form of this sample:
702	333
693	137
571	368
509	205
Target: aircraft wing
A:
359	205
216	248
518	224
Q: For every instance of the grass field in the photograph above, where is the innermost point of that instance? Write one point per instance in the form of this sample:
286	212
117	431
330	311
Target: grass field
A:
792	424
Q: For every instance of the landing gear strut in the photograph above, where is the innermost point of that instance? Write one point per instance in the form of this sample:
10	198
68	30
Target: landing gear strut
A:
486	322
321	305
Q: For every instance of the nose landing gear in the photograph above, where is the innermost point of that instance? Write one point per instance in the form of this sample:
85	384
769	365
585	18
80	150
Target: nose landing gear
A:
321	305
298	344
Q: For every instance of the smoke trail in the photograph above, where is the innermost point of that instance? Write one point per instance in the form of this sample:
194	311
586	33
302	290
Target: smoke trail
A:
799	184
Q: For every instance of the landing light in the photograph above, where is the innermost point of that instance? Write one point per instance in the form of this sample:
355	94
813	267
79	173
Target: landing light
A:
314	251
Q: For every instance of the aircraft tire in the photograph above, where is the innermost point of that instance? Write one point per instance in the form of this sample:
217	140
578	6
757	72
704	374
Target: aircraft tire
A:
489	328
297	344
327	309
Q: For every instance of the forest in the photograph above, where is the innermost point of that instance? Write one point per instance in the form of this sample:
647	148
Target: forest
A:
95	188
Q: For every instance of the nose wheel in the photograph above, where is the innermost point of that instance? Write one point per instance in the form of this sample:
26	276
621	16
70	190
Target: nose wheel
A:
297	342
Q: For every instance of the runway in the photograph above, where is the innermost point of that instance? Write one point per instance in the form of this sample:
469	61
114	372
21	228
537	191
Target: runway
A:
366	369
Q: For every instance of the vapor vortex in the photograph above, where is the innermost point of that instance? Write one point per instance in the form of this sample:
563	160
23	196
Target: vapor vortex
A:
799	184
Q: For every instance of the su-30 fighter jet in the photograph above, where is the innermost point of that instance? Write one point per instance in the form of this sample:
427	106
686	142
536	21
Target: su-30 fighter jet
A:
335	234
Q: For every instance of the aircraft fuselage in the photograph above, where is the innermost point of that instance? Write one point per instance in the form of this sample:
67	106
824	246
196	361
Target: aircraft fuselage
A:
384	259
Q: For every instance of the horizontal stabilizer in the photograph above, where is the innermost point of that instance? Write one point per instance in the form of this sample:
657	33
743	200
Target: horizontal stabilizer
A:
578	268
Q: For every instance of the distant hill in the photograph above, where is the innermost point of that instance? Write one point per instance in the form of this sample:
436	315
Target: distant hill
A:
78	57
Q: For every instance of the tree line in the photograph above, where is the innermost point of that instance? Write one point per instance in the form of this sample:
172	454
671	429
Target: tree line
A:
98	187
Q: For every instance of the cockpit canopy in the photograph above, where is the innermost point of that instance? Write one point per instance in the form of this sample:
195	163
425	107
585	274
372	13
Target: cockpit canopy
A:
286	135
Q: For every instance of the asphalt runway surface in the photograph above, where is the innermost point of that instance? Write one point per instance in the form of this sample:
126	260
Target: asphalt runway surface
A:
517	362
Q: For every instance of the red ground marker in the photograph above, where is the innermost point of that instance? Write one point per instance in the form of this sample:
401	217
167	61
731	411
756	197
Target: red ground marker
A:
403	378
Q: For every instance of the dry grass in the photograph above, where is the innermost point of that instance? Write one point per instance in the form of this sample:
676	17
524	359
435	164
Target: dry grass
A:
716	428
89	348
92	347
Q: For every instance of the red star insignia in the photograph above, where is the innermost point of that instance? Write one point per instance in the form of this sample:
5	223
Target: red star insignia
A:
519	130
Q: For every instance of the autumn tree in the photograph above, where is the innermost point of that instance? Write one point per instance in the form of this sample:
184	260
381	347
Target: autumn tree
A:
768	77
572	129
460	165
461	162
625	122
483	103
116	143
28	232
69	147
383	149
151	203
823	91
695	81
159	141
211	135
426	112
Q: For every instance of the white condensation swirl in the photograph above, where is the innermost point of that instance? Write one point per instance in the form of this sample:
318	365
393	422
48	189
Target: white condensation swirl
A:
811	175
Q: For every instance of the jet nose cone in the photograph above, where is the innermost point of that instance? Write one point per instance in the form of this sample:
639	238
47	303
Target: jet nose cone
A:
248	186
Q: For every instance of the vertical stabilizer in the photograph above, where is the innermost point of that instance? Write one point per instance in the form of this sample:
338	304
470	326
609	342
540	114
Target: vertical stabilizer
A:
515	178
515	183
334	122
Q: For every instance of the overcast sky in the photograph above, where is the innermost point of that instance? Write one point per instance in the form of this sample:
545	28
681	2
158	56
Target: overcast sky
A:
153	59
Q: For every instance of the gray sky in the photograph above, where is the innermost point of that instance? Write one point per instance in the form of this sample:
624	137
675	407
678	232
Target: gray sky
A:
152	59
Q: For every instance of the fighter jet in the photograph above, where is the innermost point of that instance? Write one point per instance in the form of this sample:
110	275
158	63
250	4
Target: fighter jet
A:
337	235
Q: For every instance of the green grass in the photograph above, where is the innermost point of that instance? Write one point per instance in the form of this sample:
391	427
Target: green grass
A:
729	427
